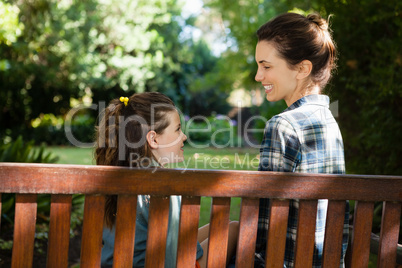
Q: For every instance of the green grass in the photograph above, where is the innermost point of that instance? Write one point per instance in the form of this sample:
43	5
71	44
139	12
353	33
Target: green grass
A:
73	155
208	158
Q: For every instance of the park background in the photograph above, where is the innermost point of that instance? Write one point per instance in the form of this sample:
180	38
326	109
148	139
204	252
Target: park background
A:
58	55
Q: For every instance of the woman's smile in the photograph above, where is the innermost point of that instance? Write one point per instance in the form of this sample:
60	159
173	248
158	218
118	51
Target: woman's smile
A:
268	88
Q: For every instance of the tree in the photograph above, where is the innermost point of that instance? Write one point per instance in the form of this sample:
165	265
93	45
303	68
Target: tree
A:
368	83
71	49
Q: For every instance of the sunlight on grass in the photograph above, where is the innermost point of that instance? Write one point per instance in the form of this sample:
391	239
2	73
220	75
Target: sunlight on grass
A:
73	155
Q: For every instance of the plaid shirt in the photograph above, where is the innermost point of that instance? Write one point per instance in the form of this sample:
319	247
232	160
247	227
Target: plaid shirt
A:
304	138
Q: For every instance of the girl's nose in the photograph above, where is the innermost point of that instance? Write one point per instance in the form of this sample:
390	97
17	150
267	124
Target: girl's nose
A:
184	137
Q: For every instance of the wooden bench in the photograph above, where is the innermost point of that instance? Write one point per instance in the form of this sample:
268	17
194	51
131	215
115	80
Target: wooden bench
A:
61	181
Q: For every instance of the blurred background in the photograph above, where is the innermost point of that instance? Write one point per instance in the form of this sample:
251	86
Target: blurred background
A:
58	54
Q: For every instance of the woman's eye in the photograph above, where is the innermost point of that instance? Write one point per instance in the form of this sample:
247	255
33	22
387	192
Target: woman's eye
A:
266	67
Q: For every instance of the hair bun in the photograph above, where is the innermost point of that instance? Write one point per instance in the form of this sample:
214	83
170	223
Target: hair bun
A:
317	19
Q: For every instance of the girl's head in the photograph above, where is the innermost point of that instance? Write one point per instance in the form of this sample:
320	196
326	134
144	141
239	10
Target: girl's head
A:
141	129
302	42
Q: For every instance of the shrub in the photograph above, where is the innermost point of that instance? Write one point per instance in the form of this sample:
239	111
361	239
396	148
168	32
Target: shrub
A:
51	129
24	152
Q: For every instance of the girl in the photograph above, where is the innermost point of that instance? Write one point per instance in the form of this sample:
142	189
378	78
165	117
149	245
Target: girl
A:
295	56
143	131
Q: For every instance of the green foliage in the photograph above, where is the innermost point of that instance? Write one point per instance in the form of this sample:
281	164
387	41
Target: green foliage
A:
24	152
6	245
97	51
368	83
10	27
51	129
70	49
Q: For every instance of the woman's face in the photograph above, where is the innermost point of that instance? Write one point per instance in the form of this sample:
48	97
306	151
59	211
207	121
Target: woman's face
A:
280	82
171	141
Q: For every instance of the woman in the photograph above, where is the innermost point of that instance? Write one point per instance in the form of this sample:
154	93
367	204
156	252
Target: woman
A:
295	56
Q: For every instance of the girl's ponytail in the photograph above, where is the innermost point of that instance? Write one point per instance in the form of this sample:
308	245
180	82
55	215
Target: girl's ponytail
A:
120	136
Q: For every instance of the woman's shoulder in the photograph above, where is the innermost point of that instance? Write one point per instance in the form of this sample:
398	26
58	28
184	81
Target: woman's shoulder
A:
291	121
280	125
280	120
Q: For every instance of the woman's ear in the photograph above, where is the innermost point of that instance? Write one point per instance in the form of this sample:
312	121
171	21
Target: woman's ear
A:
151	139
304	69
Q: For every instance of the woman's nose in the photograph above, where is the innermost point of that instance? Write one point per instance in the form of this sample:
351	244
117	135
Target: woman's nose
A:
184	137
258	76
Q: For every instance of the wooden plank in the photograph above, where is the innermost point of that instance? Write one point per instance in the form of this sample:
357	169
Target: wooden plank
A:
157	232
248	232
276	237
362	223
187	244
69	179
333	234
391	216
91	241
305	233
125	231
218	232
24	230
59	231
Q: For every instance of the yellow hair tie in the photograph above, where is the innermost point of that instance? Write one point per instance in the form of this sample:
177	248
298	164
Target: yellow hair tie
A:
124	100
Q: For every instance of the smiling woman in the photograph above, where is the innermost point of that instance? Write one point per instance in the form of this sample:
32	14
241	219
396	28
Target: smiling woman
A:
295	57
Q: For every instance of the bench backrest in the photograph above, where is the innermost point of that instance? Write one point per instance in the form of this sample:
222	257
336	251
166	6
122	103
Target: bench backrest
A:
61	181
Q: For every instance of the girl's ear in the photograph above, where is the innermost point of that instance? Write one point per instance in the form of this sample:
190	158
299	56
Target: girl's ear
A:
304	69
151	139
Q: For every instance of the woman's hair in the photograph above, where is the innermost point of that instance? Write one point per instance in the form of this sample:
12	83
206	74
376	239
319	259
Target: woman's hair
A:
299	38
121	135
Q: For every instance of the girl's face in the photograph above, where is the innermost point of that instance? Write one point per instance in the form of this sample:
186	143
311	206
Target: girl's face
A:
280	82
170	143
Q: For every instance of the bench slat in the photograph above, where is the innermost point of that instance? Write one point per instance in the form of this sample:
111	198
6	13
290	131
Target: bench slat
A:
333	234
24	230
157	232
218	232
187	244
248	232
276	237
84	179
91	241
390	223
362	223
305	233
59	231
125	231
